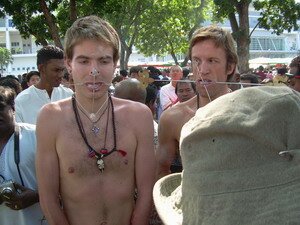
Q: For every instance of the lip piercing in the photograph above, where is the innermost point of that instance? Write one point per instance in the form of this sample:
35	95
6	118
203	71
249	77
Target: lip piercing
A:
94	72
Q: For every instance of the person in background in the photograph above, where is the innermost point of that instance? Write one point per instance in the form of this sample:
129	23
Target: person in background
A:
32	78
185	89
50	62
124	74
67	80
130	89
294	72
134	71
249	79
167	95
261	73
185	72
281	78
23	81
12	82
19	199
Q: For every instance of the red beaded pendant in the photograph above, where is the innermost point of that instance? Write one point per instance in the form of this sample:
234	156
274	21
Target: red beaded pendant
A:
103	151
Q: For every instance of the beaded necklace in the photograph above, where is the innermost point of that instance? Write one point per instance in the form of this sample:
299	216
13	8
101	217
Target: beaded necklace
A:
103	152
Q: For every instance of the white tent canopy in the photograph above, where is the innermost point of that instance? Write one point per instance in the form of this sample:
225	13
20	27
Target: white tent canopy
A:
254	63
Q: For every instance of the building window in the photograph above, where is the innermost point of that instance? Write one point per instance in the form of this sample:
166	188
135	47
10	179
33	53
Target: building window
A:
2	22
267	44
15	44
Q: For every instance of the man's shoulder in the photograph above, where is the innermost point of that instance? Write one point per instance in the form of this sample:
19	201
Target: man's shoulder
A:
24	95
128	105
174	113
179	112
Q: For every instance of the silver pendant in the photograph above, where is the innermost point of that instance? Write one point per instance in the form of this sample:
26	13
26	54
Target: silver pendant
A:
95	129
93	117
100	164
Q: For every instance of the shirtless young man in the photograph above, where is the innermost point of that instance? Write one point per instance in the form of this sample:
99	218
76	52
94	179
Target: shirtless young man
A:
94	185
214	59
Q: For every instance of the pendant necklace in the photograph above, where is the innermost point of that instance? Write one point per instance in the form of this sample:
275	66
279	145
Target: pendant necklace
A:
103	152
92	116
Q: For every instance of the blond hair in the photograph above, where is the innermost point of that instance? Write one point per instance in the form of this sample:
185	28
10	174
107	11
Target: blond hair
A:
93	28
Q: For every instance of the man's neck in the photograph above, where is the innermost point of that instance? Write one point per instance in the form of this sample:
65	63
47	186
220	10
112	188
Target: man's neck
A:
43	86
92	105
204	100
174	83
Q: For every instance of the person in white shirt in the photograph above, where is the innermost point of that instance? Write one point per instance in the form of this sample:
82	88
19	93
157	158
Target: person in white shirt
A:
167	94
50	62
19	199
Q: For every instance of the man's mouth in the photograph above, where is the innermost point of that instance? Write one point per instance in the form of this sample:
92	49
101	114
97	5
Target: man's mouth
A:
94	86
204	81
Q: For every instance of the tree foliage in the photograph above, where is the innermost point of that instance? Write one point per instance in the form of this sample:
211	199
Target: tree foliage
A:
29	18
278	15
167	26
5	58
275	15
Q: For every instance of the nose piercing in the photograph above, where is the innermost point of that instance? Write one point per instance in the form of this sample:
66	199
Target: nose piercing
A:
94	72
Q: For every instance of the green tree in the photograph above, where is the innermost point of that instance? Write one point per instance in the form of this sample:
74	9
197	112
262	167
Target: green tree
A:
274	14
36	18
168	25
5	58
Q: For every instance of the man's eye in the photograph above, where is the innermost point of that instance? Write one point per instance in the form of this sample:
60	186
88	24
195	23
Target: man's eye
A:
83	62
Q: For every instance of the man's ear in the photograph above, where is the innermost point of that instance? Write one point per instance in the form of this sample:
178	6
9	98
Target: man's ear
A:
41	68
231	68
68	65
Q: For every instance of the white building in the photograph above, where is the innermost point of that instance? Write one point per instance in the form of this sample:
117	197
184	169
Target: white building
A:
23	50
263	44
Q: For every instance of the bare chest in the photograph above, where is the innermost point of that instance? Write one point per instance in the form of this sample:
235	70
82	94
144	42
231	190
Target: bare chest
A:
94	153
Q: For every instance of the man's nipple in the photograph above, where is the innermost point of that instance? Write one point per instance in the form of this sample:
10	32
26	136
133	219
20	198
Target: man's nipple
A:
71	169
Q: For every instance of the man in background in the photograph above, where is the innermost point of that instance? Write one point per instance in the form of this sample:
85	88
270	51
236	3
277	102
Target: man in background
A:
50	63
19	199
167	95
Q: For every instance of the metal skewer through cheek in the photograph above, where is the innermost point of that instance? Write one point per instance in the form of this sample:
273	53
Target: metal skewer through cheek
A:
198	71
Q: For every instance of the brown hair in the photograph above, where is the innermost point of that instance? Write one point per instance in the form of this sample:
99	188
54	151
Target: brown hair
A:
94	28
221	37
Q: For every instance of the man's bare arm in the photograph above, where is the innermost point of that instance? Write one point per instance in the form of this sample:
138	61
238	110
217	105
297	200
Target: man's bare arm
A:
144	167
47	166
168	144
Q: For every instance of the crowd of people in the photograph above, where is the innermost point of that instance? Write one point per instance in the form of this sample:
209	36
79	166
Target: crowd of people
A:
82	145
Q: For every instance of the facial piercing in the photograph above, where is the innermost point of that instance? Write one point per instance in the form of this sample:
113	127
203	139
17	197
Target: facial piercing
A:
94	72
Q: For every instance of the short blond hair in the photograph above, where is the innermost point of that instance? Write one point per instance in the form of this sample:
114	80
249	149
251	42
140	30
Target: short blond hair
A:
93	28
